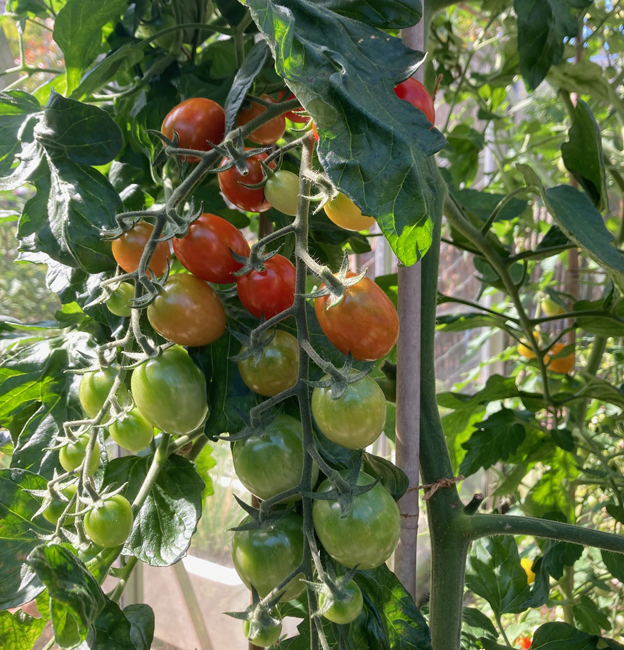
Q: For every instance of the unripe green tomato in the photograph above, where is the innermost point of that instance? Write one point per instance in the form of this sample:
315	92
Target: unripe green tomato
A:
282	192
619	619
561	166
132	431
346	609
156	25
110	522
94	389
72	455
265	636
119	302
54	511
592	501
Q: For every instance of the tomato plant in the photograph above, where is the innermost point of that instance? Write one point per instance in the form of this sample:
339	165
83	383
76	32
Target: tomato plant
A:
564	365
72	455
232	184
268	133
94	389
110	522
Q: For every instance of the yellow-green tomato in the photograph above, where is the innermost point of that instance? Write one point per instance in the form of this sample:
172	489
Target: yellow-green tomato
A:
282	191
344	213
94	389
345	607
551	308
132	431
72	455
272	462
263	634
119	302
54	511
354	420
110	522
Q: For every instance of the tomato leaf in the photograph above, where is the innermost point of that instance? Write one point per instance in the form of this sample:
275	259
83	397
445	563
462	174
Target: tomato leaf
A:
19	631
15	107
614	563
589	617
476	618
385	14
559	555
390	476
561	636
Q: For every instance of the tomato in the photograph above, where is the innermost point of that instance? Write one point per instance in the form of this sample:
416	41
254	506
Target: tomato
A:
296	115
344	213
368	536
364	323
205	251
94	389
119	302
263	557
527	565
525	350
132	431
158	24
551	308
265	634
198	122
315	132
412	91
72	455
170	392
187	311
282	192
268	133
343	609
54	511
524	642
128	248
277	370
230	182
110	522
272	462
356	419
271	291
564	365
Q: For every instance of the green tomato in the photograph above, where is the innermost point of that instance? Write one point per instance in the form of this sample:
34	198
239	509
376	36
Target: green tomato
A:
265	634
278	368
132	431
271	463
54	511
151	28
110	522
94	389
356	419
282	192
170	392
343	609
263	557
72	455
119	302
368	536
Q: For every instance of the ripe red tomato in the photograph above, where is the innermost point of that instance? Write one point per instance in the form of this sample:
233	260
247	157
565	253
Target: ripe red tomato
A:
412	91
197	122
205	251
316	135
128	248
243	197
187	311
524	642
268	133
365	323
295	115
271	291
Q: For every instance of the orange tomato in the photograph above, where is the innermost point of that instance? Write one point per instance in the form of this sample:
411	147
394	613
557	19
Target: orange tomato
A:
525	350
564	365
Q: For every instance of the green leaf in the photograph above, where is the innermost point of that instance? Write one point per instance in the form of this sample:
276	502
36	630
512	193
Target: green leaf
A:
78	32
583	157
559	555
561	636
551	492
151	116
600	325
385	14
19	631
476	618
15	107
614	563
390	476
589	617
141	619
468	321
464	145
349	91
602	390
203	464
542	28
482	204
554	237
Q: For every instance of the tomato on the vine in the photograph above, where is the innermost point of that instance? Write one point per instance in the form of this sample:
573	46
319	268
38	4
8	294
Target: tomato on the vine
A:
205	250
187	311
110	522
354	420
282	192
525	350
364	323
198	122
128	248
524	642
344	213
344	608
268	133
265	634
272	462
245	198
54	511
72	455
270	291
132	431
564	365
278	368
170	392
94	389
368	536
551	308
119	301
412	91
263	557
527	565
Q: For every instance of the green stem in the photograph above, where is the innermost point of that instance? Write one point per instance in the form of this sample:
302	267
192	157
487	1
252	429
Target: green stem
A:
158	462
502	629
123	579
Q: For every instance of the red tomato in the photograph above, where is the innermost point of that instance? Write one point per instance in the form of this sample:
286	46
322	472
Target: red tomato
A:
271	291
197	121
268	133
316	135
364	323
524	642
412	91
128	248
294	116
205	251
242	197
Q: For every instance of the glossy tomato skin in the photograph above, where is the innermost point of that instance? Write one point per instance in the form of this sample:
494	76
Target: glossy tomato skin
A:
205	251
265	636
356	419
72	455
54	511
364	323
524	642
345	610
368	536
525	350
282	192
278	368
132	431
170	392
271	291
272	462
119	302
344	213
230	182
197	122
551	308
94	389
412	91
187	311
110	522
268	133
263	557
128	248
563	365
